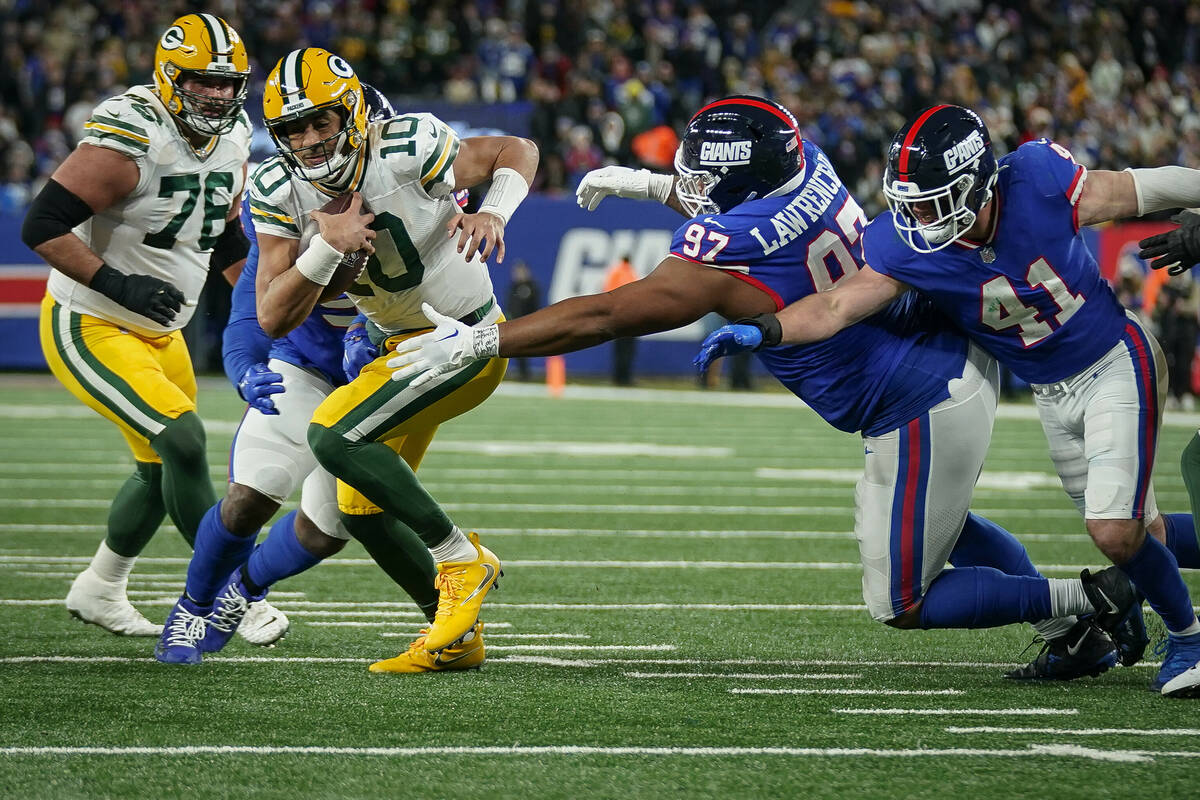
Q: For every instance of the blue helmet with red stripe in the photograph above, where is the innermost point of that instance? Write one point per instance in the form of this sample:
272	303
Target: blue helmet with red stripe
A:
940	173
736	149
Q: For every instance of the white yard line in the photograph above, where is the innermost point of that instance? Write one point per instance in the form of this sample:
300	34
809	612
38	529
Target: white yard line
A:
490	635
1079	731
746	676
345	624
934	712
1031	751
869	692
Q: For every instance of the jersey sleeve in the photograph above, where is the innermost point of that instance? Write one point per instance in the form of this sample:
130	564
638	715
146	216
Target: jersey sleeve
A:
1052	169
716	241
271	201
124	124
884	251
420	147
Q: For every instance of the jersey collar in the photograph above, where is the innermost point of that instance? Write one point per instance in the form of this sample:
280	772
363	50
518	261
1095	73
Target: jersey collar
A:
971	244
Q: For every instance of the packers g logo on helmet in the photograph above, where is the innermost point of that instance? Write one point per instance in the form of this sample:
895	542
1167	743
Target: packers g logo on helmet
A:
304	84
201	44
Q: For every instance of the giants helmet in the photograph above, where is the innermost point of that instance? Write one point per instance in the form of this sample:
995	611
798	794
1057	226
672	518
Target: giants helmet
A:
303	84
940	173
735	150
201	44
378	106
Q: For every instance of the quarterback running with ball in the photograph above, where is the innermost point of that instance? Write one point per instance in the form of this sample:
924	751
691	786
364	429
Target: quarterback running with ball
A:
373	432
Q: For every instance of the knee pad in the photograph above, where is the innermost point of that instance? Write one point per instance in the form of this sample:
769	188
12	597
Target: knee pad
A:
182	440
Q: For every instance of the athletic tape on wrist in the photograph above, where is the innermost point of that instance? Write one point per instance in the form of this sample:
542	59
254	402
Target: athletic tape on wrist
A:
486	341
660	186
319	261
508	189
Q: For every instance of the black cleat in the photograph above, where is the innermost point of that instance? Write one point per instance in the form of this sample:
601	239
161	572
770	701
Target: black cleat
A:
1083	650
1118	612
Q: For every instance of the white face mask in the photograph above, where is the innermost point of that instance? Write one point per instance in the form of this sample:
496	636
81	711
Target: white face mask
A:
952	217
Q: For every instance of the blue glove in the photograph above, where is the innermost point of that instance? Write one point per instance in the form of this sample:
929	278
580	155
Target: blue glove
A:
256	386
359	350
725	341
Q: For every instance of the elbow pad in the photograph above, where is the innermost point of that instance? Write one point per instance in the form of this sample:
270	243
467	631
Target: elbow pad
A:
54	212
232	246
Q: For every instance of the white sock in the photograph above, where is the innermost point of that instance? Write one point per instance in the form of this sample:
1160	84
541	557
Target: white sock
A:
1050	629
1067	597
111	567
455	547
1190	630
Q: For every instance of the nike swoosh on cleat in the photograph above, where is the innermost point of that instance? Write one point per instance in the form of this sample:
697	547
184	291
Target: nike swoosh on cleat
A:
1075	648
445	662
1113	608
483	585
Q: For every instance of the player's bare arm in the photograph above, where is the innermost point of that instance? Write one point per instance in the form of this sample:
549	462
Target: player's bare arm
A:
1135	192
507	161
1106	196
100	177
819	316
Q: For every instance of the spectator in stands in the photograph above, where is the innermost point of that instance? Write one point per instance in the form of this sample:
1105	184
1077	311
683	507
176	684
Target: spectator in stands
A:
524	297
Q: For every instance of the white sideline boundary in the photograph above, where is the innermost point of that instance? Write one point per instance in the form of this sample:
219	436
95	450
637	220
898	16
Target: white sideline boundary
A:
967	712
864	692
748	676
1030	751
1080	731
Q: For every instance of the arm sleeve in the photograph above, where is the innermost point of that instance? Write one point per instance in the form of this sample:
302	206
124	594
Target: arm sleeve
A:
244	343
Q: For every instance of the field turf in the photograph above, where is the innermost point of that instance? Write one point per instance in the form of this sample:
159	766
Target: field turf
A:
681	617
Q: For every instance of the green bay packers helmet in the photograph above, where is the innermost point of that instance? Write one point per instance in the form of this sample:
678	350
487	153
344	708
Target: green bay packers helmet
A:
303	84
201	44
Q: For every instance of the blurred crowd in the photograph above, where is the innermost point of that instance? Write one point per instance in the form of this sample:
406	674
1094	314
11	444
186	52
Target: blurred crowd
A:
615	80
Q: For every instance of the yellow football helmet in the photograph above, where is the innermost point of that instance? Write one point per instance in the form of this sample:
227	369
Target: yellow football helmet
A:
303	84
201	44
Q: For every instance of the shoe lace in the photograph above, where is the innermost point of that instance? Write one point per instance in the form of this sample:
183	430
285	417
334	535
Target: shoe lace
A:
228	611
185	629
419	642
450	586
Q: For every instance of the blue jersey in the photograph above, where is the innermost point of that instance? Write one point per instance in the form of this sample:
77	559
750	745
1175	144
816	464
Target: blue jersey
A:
1033	295
871	377
315	344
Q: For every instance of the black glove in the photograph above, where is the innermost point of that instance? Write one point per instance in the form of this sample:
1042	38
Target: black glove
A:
1176	250
142	294
768	325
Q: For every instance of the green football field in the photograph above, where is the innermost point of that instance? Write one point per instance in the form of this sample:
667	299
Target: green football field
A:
681	616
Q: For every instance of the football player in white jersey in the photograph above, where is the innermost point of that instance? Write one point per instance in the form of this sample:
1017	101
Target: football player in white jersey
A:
131	223
372	433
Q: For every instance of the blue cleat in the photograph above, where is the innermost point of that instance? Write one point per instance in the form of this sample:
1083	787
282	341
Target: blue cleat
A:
229	608
1083	650
1179	675
184	628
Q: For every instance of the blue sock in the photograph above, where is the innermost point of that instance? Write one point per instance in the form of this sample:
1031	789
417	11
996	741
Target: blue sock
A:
982	597
279	556
1155	573
983	543
1181	539
217	552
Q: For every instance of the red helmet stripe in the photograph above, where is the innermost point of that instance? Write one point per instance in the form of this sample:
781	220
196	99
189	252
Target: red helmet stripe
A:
756	104
912	134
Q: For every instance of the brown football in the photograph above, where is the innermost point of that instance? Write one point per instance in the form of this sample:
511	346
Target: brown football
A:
352	263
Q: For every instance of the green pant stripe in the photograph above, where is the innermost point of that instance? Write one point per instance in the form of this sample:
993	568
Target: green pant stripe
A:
106	386
381	397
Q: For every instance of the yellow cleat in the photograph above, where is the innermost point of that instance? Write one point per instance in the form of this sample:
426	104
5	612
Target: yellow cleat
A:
465	654
461	586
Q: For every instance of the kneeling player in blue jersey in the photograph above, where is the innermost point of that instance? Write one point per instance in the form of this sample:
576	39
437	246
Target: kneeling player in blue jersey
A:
996	247
771	222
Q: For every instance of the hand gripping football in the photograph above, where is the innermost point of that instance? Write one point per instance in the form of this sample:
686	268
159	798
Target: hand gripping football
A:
352	263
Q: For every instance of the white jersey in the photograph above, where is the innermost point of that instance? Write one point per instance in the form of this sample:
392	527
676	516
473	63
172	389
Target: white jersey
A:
167	226
406	177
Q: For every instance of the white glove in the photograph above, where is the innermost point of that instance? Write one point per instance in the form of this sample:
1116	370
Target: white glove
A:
636	184
450	346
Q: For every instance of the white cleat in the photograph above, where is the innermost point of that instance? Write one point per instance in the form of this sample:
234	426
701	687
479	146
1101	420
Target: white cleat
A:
1185	684
263	625
102	603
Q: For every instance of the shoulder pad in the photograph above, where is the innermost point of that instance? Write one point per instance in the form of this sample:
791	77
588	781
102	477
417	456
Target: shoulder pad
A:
126	123
417	147
270	199
1045	165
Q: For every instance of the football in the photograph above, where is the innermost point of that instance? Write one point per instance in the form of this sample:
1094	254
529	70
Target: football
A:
352	263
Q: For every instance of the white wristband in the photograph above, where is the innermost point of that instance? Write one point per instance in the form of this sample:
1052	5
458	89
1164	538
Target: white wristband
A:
508	189
659	186
486	341
1165	187
319	261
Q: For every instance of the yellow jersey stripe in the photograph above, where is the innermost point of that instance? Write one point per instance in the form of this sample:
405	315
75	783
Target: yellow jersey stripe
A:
443	158
91	125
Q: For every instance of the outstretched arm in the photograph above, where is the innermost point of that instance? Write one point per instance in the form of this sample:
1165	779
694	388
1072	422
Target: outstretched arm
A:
676	293
1113	195
818	316
510	162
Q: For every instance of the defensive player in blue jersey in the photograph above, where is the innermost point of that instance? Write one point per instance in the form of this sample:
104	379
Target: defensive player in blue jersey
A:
283	380
996	247
770	222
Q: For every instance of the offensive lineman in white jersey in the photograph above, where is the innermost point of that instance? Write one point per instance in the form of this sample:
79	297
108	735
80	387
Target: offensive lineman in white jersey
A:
372	433
132	222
